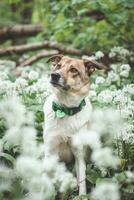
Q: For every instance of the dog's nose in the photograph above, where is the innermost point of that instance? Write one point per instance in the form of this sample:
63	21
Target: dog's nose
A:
55	76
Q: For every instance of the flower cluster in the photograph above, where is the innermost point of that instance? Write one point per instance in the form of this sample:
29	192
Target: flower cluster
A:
119	52
36	175
110	138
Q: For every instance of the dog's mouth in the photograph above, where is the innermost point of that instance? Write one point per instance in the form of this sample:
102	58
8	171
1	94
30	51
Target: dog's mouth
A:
59	85
56	84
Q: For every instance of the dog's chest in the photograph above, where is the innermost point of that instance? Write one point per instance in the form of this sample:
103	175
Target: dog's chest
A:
69	125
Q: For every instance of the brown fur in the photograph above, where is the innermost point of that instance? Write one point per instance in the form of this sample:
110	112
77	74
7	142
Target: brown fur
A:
70	78
75	72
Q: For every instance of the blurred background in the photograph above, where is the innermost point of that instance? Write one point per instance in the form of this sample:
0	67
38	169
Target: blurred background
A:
30	32
85	25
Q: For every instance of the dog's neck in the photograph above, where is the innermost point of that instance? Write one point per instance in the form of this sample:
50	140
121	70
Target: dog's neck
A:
68	100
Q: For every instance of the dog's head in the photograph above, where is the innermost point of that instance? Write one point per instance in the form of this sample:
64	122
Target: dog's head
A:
71	75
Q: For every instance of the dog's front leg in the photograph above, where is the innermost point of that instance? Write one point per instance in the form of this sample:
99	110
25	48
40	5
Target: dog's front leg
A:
81	174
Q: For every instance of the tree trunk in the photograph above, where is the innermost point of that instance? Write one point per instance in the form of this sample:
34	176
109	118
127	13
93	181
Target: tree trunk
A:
13	32
26	13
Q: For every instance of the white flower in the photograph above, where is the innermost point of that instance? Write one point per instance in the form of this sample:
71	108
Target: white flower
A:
6	176
120	98
90	138
40	187
32	89
50	164
112	54
13	111
106	191
129	89
21	83
112	76
28	141
57	172
3	76
33	75
125	67
126	133
99	54
43	85
100	80
124	70
28	167
130	176
112	88
104	158
126	113
13	135
105	96
124	52
93	86
119	51
124	73
115	67
92	95
106	122
6	172
67	182
6	86
7	64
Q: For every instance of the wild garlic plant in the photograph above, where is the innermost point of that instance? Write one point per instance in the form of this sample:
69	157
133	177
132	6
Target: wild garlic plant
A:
28	171
110	170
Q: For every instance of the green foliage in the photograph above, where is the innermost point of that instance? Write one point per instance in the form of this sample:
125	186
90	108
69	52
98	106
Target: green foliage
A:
17	12
89	24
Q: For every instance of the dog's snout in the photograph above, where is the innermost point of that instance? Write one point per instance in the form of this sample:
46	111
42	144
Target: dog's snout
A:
55	76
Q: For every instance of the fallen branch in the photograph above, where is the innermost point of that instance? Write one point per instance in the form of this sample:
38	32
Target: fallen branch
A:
44	53
20	49
19	31
95	14
38	56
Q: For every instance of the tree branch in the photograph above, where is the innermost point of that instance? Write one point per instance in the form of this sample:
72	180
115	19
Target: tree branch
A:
20	49
19	31
38	56
95	14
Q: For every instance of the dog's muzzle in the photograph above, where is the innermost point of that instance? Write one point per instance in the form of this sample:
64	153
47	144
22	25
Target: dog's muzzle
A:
58	81
55	77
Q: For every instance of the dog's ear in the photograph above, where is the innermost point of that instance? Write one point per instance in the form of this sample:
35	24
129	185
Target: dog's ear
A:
55	59
92	65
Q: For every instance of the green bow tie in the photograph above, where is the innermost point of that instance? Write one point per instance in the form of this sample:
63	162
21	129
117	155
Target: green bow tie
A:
61	111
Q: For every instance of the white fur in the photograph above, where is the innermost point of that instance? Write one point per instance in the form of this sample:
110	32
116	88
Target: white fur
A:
58	133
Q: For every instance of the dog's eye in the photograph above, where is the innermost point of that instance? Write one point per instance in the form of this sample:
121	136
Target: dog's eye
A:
58	65
73	70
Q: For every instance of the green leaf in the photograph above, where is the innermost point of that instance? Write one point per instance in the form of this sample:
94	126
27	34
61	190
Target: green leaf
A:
93	175
8	157
121	177
101	180
39	116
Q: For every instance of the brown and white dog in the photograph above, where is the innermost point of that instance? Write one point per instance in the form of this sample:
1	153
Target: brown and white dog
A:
70	81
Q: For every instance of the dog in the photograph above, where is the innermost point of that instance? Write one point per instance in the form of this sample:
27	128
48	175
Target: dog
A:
68	111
